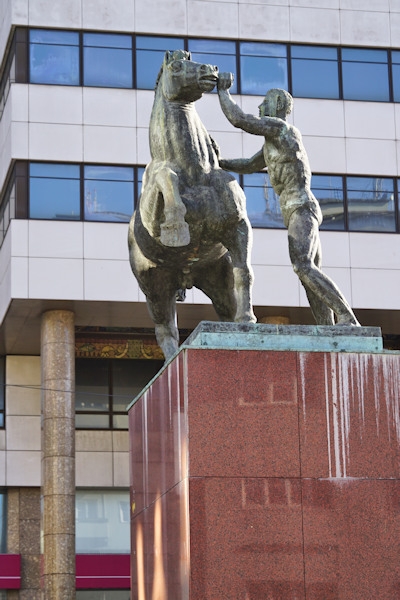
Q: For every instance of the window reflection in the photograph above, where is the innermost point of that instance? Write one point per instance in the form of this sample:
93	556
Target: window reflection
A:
370	204
219	53
365	74
107	60
105	387
328	190
54	57
2	404
263	206
54	191
262	66
102	526
3	522
149	57
315	72
108	193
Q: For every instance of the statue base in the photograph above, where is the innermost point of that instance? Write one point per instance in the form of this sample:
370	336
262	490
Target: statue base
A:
262	473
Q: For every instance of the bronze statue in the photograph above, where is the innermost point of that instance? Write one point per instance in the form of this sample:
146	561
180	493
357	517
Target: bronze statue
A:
190	227
284	155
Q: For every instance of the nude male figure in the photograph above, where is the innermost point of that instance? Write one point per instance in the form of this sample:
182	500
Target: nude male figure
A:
284	155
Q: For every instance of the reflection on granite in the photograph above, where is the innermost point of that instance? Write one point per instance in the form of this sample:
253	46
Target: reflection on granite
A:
259	474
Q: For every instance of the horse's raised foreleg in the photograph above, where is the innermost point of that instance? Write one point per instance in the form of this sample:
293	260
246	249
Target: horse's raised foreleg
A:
239	247
174	230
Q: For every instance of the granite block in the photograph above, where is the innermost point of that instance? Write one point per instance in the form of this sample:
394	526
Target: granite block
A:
242	412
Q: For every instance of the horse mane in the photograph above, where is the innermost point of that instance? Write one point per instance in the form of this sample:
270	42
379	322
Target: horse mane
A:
170	56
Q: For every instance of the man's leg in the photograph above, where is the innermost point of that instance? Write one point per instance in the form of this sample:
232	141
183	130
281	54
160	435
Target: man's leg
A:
305	254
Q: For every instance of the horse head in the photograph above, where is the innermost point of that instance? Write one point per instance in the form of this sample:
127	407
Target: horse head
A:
184	80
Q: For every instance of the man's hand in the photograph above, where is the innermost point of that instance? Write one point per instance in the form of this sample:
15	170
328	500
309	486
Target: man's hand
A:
225	80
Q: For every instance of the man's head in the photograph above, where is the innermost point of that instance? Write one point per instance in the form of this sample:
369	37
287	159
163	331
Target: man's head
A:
277	103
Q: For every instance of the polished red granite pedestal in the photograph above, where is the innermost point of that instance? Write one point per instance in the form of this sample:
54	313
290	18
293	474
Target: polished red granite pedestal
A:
267	475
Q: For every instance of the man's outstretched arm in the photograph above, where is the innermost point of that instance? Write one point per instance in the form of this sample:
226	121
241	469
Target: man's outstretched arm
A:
238	118
244	165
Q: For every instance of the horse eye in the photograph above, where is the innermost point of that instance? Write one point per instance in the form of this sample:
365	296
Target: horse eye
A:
176	66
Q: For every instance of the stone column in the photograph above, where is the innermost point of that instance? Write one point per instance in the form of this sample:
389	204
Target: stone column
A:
58	458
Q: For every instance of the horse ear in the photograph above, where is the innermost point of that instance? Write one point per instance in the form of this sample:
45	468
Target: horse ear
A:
167	56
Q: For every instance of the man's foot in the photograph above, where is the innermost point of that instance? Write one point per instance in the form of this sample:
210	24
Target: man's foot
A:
347	320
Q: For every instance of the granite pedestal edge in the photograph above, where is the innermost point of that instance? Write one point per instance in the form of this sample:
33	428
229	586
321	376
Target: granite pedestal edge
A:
304	338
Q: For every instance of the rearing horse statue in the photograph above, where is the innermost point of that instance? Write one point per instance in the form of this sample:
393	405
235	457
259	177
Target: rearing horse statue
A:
190	227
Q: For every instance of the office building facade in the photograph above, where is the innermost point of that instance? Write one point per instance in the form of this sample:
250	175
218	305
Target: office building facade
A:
76	91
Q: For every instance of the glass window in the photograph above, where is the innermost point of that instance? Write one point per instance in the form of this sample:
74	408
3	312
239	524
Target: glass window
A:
219	53
54	57
54	191
92	402
2	400
3	522
365	74
102	522
328	189
105	387
107	60
396	75
262	67
101	595
108	193
263	206
315	72
370	202
149	57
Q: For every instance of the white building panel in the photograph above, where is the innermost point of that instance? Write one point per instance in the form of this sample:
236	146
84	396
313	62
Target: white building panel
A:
104	106
143	147
56	278
94	469
18	101
263	22
335	248
55	239
395	27
23	433
19	139
109	144
144	103
275	286
365	5
370	120
152	16
375	251
221	19
371	157
19	277
270	246
18	236
23	468
44	142
314	25
374	288
362	28
326	155
55	104
118	15
109	280
105	241
55	13
319	117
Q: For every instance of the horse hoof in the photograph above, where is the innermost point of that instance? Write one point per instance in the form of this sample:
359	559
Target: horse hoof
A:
175	235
